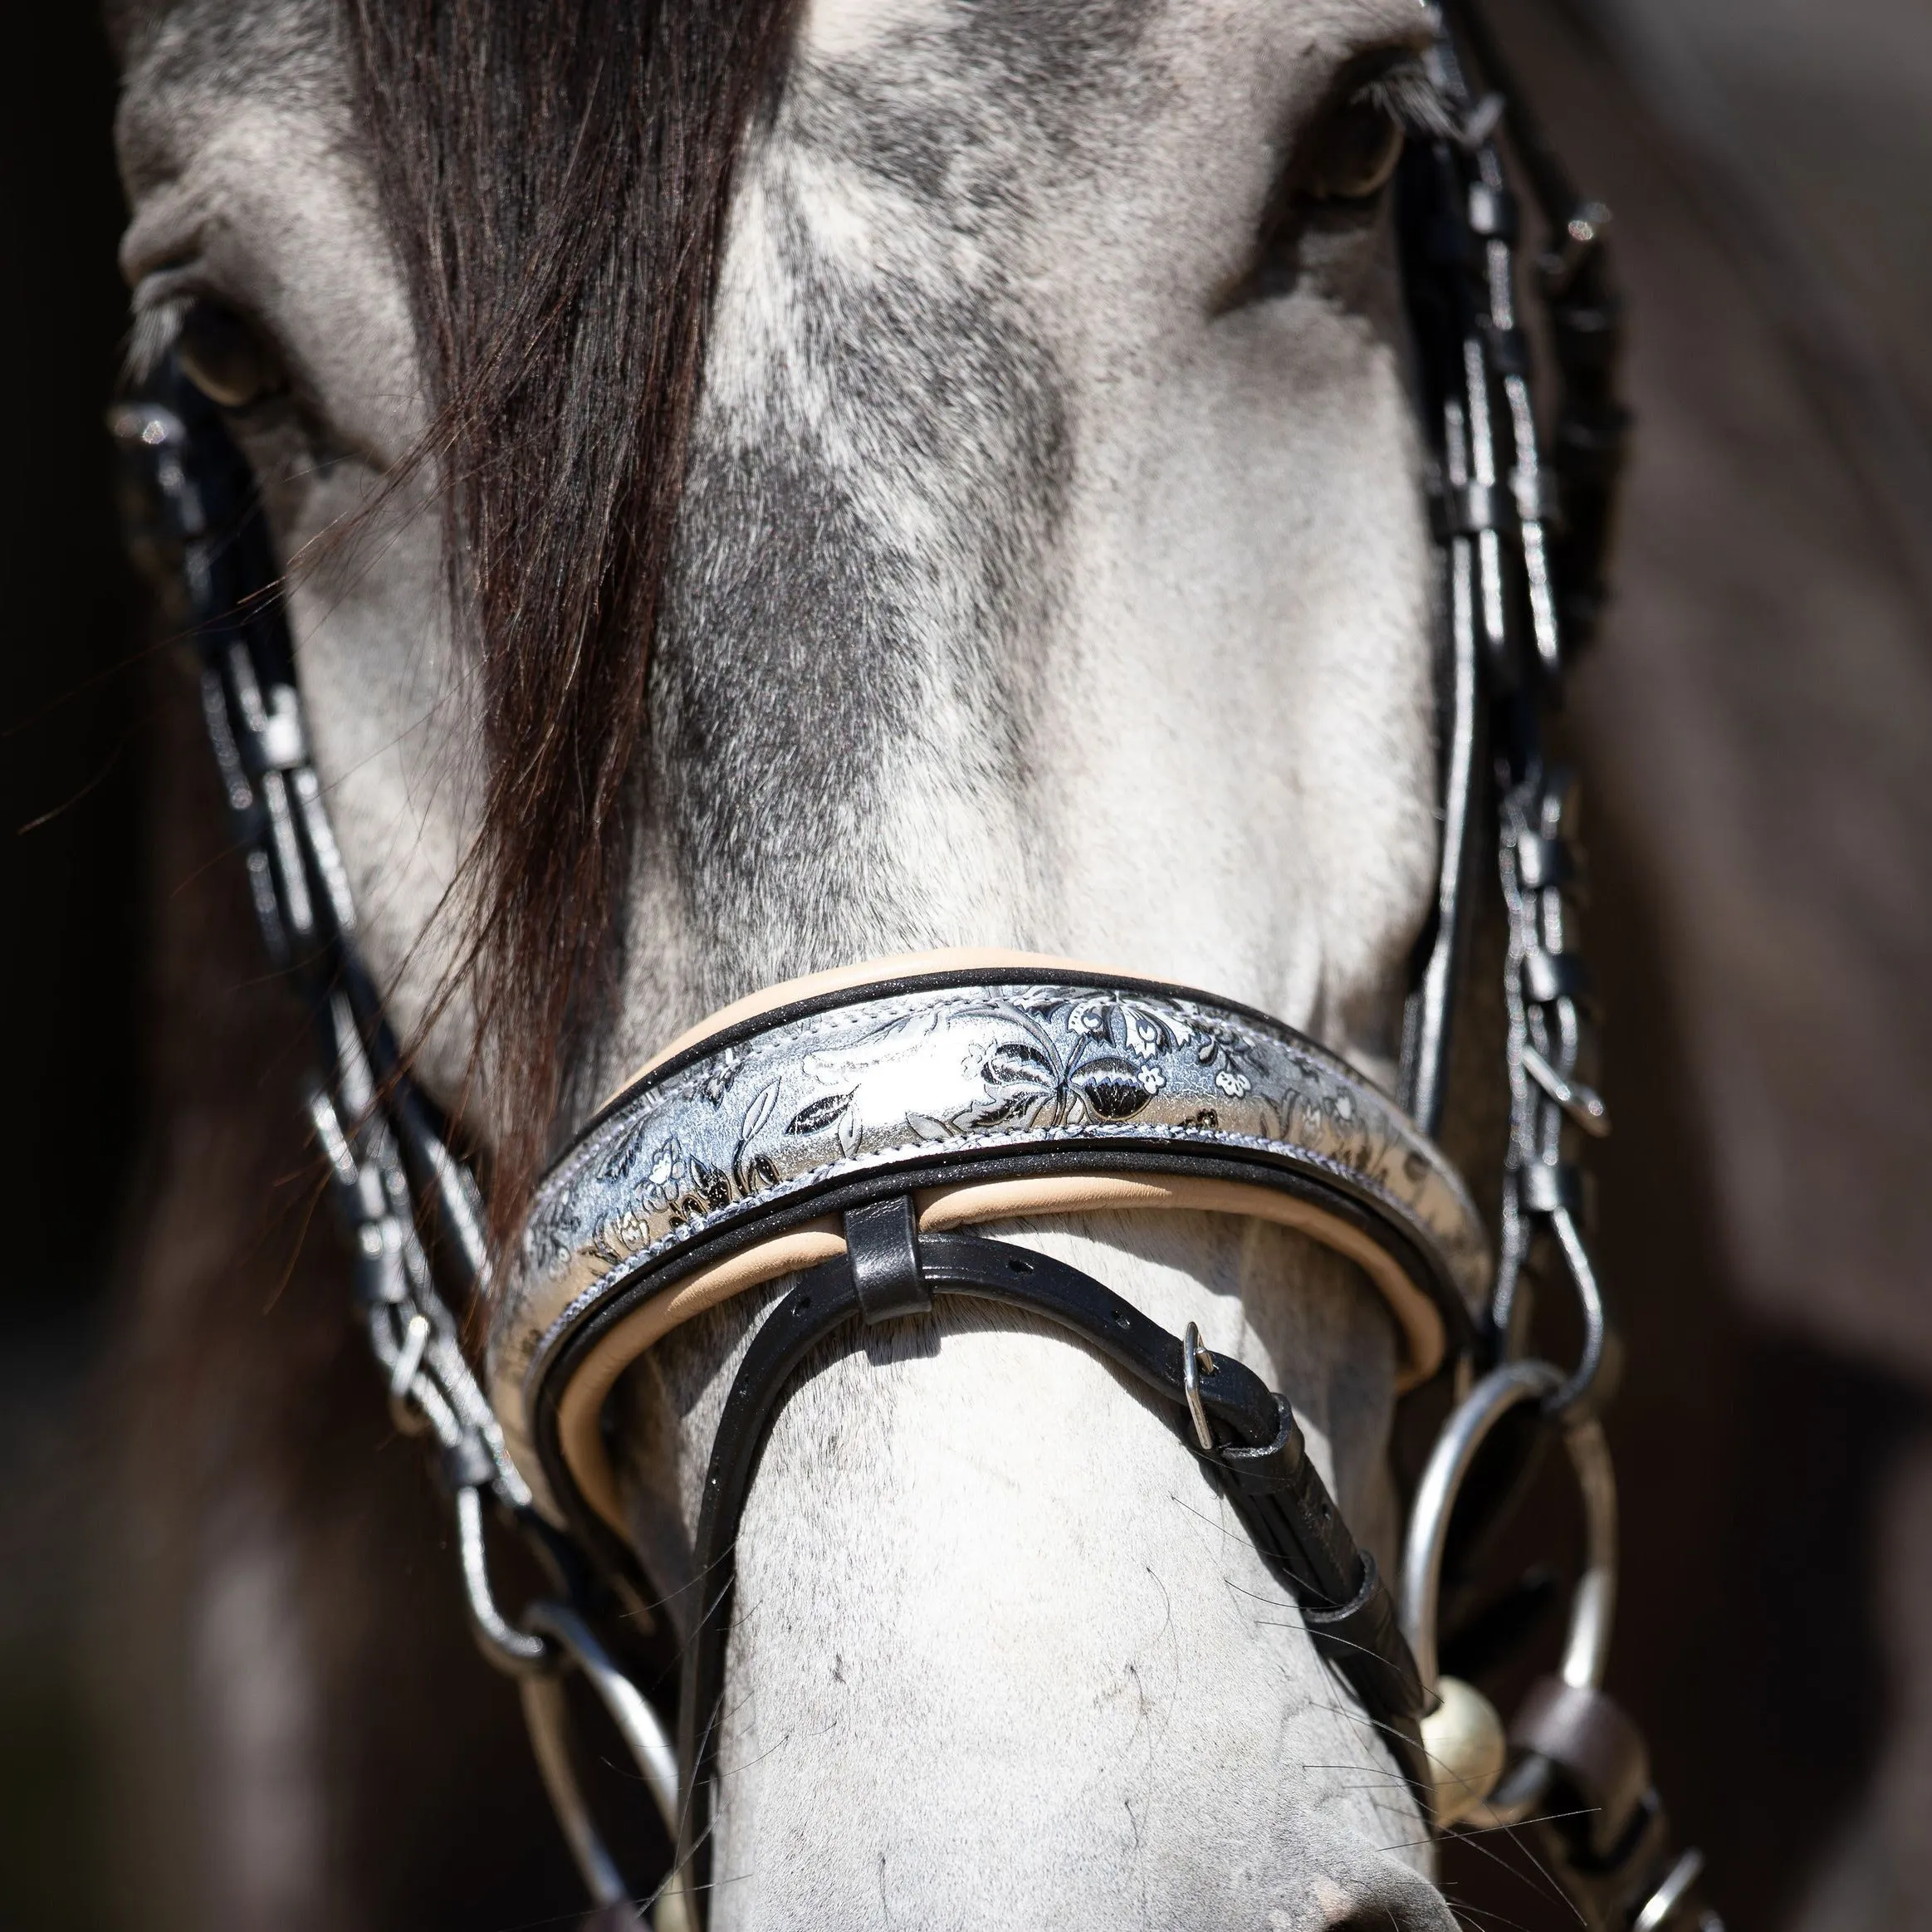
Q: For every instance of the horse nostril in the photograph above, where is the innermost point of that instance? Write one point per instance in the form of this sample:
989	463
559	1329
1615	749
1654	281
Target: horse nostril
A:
1425	1912
1386	1895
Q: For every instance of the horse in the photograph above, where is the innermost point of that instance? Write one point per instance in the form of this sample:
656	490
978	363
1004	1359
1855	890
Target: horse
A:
766	490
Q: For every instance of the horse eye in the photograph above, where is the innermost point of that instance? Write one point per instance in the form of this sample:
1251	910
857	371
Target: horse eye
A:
1354	151
227	358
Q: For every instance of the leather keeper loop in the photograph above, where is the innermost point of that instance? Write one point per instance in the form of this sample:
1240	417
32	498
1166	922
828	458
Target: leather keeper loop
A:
1596	1748
1289	1508
1363	1639
1465	509
883	1242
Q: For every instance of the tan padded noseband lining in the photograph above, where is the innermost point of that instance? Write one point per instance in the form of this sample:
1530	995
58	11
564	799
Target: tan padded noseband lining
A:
580	1409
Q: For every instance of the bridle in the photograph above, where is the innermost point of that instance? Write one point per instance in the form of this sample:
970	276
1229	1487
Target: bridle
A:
849	1133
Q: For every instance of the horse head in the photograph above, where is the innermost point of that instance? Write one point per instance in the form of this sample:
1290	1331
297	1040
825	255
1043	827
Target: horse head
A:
767	489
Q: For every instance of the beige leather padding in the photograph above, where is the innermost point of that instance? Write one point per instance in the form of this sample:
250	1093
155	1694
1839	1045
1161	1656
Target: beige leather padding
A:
581	1437
579	1412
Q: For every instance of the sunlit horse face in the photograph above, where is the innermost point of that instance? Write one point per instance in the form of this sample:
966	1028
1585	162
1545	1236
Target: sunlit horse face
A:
1052	572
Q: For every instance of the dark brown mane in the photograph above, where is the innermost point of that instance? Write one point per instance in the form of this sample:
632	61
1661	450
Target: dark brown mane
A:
555	173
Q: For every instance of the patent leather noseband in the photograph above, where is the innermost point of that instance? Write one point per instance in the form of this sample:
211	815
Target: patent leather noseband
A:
1245	1436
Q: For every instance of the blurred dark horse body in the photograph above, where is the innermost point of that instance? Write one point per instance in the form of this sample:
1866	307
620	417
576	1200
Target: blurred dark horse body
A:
1769	648
1755	726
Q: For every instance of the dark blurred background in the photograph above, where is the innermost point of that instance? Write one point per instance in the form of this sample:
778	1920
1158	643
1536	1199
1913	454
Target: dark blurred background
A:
74	769
1756	727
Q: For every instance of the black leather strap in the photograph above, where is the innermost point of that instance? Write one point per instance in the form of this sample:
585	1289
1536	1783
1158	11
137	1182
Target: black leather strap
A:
1260	1458
882	1244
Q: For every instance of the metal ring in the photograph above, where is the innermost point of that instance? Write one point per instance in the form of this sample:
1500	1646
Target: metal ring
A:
514	1651
1593	1603
548	1716
1600	1366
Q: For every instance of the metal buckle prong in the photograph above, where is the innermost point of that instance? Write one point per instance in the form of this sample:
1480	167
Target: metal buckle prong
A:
1195	1362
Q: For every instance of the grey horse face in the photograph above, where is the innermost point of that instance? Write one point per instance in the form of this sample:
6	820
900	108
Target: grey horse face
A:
1052	570
1052	574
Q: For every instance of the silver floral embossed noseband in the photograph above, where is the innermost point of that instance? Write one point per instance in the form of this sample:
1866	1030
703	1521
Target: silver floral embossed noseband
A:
991	1090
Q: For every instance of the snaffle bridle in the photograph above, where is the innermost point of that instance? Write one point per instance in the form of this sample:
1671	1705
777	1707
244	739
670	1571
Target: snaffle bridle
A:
740	1160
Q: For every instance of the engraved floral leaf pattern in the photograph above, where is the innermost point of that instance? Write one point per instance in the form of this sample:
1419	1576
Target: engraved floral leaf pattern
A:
760	1111
815	1115
720	1073
882	1077
1116	1089
1135	1027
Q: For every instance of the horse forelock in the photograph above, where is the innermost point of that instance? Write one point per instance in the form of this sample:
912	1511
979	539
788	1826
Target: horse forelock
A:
827	579
559	356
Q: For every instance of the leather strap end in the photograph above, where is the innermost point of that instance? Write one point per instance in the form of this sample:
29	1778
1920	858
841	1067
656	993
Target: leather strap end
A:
1365	1642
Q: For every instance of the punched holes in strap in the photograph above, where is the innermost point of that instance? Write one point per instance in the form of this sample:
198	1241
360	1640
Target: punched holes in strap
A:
883	1242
